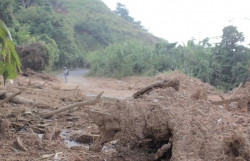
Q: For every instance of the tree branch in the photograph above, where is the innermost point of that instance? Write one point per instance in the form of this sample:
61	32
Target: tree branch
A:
68	107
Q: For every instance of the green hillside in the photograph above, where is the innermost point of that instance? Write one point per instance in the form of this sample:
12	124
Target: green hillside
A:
96	26
62	32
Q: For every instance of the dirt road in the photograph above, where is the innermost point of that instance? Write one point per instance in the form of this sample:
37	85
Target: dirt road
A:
75	77
92	85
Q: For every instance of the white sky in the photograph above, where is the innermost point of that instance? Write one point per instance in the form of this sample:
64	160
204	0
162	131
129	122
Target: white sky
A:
180	20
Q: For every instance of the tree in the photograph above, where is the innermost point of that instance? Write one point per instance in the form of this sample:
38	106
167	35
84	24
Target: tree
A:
123	12
6	14
231	36
10	60
232	59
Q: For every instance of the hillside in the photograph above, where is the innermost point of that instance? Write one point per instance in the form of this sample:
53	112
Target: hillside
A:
96	25
63	31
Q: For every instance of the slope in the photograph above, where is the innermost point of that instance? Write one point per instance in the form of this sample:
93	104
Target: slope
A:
96	26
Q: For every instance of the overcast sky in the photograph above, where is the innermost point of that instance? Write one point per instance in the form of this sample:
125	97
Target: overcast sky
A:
180	20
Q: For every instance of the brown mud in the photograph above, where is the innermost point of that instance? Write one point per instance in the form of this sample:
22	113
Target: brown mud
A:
164	123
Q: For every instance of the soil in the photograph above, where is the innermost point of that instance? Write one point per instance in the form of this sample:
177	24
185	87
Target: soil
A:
165	123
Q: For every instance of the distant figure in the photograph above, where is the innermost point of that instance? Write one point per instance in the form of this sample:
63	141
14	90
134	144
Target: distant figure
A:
65	72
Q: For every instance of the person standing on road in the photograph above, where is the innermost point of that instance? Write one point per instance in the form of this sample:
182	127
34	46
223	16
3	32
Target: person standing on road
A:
65	72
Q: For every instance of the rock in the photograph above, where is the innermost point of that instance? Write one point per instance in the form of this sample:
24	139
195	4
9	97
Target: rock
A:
233	106
155	101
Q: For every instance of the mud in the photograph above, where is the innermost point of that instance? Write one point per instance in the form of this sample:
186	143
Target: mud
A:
164	123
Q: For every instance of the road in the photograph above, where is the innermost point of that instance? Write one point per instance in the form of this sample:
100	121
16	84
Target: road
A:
75	77
94	85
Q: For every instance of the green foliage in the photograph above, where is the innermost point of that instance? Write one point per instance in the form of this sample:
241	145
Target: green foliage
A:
8	71
6	14
123	12
59	38
121	60
52	50
80	32
75	26
8	48
12	62
232	58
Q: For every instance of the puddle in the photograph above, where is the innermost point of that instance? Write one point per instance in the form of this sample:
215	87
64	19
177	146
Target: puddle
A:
40	136
66	137
65	134
73	143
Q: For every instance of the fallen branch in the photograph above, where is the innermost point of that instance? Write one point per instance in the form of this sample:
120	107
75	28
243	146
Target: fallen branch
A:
242	101
16	124
37	129
68	107
10	97
175	83
19	100
235	91
20	145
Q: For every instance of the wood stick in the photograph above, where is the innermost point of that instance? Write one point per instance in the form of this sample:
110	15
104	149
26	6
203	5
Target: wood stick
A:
16	124
20	145
68	107
175	83
18	100
235	91
37	129
242	101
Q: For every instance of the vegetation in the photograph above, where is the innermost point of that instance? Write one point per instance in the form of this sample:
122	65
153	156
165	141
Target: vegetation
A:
10	62
67	29
224	65
123	12
51	34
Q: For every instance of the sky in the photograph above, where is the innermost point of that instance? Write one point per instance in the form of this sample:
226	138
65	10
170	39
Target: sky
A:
182	20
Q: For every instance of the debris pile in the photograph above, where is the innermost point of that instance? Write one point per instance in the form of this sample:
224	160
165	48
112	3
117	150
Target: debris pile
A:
170	117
